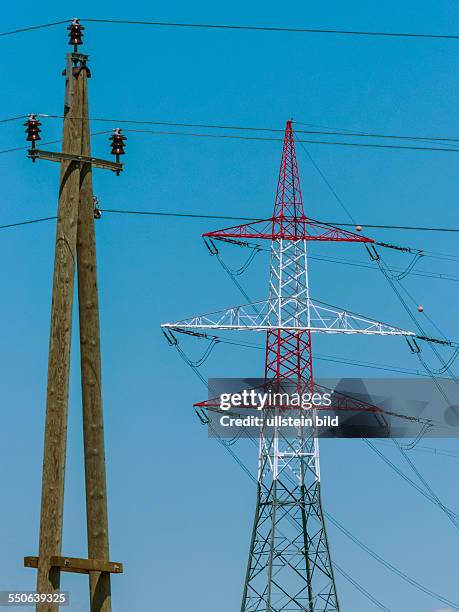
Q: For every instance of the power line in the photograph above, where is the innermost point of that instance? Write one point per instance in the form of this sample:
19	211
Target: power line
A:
232	218
328	184
324	357
452	516
360	588
358	264
329	131
22	148
27	222
12	118
36	27
26	147
268	139
428	494
348	213
387	564
347	132
423	336
176	124
423	253
320	142
450	149
185	215
424	449
214	26
274	29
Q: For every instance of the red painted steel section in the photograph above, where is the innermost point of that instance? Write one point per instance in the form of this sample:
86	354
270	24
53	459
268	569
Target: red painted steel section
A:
289	221
289	354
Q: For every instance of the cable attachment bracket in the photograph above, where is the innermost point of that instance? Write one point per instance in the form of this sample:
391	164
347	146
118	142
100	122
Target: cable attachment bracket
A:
414	346
97	211
202	416
372	252
212	247
171	339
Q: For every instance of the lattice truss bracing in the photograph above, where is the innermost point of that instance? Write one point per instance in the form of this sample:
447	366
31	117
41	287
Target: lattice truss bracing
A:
289	567
289	314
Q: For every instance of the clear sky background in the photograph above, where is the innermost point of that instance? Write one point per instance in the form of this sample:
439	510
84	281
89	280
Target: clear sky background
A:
180	508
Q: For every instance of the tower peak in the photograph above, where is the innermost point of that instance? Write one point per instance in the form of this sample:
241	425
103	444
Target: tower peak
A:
289	201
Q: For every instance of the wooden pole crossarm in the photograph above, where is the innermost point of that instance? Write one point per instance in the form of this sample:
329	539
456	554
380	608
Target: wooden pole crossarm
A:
55	156
77	565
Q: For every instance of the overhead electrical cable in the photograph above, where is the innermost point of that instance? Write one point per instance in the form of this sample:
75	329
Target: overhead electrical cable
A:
428	494
8	119
272	139
449	149
384	270
451	515
25	148
327	182
219	126
35	27
232	218
27	222
389	565
426	449
360	588
366	134
249	28
318	356
353	262
258	28
358	264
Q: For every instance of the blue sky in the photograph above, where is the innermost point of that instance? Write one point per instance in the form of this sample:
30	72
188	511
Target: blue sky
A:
180	508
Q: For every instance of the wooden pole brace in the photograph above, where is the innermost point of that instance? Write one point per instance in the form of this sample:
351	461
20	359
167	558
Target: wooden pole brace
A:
79	566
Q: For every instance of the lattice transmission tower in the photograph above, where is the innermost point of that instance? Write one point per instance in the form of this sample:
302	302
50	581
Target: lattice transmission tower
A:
289	567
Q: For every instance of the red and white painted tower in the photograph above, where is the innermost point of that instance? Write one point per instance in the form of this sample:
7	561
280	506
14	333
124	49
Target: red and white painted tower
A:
289	564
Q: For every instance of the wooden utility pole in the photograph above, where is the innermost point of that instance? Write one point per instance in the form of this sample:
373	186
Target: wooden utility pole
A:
93	424
52	500
75	241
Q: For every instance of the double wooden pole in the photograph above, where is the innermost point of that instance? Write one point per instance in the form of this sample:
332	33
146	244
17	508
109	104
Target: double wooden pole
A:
75	244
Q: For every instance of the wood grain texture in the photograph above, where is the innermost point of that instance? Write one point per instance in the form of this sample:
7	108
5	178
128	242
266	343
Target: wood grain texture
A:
93	424
52	501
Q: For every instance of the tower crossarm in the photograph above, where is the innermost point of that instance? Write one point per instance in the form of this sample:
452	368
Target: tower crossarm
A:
289	228
263	316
